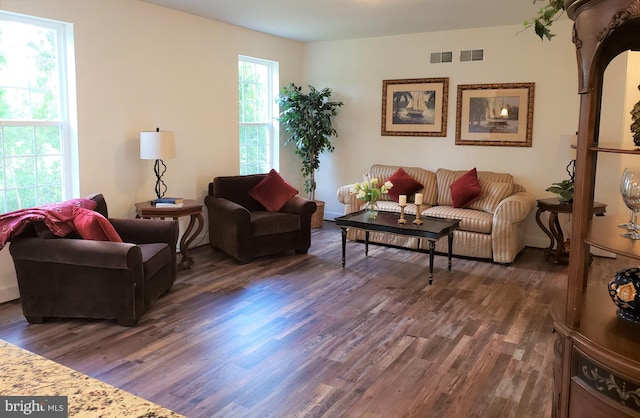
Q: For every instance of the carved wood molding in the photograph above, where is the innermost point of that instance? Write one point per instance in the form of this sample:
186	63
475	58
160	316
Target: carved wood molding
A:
619	18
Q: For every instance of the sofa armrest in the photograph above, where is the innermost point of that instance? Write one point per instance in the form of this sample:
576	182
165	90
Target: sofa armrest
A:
77	252
145	231
226	209
508	232
350	201
300	206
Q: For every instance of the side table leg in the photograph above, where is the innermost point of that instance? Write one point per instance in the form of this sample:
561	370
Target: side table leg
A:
549	249
432	247
187	261
556	230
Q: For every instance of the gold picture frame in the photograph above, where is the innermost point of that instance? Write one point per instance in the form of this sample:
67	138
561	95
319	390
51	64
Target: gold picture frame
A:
415	107
495	114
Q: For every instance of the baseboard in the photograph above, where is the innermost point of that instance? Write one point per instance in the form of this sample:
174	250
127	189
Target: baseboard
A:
9	293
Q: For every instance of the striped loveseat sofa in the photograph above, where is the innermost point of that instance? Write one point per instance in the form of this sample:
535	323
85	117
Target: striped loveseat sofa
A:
492	227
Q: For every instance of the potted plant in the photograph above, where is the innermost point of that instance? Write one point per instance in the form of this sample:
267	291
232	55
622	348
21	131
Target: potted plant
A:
307	117
564	190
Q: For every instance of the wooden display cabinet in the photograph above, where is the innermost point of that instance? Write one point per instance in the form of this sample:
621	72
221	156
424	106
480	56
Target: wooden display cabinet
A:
597	364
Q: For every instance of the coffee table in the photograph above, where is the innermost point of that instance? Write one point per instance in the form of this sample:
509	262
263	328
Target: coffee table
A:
432	230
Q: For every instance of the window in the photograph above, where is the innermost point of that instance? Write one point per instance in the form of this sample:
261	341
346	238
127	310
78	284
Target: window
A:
36	151
258	86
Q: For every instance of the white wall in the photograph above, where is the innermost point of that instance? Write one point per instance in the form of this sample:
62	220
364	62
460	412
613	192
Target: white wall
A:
354	69
139	67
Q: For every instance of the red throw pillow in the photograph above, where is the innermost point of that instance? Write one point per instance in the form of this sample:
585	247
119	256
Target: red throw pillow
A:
403	183
273	191
92	225
466	189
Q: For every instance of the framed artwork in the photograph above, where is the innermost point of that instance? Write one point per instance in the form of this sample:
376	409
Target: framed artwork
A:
415	107
495	114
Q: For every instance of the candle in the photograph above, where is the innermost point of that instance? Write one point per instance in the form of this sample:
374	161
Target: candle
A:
402	199
418	198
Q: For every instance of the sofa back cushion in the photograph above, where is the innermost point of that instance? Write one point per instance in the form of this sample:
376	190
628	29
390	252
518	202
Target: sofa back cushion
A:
445	178
236	189
425	177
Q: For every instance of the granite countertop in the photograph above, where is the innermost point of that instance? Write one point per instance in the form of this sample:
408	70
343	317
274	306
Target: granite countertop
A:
23	373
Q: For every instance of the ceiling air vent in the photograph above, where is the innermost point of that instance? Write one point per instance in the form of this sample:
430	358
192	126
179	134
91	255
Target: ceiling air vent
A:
439	57
472	55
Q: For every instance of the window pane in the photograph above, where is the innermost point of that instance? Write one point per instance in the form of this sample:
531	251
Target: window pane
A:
19	141
48	140
29	72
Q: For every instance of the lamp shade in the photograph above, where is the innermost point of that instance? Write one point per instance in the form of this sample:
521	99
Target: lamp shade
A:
157	145
566	147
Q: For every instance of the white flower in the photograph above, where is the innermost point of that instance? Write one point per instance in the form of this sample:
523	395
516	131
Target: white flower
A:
361	194
364	185
374	182
388	184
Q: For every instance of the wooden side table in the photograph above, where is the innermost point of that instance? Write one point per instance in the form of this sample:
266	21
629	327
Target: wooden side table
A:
554	232
190	208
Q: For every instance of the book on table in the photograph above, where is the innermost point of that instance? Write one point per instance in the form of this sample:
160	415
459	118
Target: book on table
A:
172	200
169	205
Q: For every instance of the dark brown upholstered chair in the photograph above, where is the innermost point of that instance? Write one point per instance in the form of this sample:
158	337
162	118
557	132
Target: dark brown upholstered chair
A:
72	277
244	229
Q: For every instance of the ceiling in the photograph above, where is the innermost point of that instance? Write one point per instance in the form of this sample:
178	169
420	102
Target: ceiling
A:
327	20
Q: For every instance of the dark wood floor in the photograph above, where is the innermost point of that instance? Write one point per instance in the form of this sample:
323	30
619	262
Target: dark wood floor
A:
299	336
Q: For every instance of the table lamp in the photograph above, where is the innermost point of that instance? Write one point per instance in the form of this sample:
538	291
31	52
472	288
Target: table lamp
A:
567	150
157	146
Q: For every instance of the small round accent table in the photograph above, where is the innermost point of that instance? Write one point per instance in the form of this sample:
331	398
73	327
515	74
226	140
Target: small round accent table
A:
554	232
189	208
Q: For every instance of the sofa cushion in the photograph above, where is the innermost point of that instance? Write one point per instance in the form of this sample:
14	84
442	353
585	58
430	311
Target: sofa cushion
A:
403	184
466	189
273	191
493	193
271	223
425	177
470	219
92	225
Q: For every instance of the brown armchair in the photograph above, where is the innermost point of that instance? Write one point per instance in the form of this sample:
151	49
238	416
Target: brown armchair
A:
241	227
72	277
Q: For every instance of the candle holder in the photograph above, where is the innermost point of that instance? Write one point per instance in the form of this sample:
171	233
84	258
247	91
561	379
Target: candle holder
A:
402	219
418	221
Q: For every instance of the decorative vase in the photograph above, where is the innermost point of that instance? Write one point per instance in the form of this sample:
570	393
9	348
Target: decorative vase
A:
372	209
624	289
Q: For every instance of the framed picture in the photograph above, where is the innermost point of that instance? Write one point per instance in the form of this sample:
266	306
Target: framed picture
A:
495	114
415	107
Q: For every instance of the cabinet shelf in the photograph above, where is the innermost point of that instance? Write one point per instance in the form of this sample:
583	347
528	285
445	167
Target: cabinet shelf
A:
605	234
614	148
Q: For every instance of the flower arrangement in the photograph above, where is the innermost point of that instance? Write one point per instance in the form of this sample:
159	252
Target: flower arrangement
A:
370	190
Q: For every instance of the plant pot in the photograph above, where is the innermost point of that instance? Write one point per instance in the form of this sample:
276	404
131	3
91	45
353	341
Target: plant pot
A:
317	218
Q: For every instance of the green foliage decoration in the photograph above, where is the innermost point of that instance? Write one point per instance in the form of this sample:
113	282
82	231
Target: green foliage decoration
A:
564	190
308	118
547	14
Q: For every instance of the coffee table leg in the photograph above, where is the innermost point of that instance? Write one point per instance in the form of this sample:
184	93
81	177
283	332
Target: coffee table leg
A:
432	247
344	246
450	249
366	243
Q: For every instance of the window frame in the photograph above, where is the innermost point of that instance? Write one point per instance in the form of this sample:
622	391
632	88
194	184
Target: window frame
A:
272	125
67	123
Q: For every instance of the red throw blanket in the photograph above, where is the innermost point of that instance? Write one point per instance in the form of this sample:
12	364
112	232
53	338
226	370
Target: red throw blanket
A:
57	216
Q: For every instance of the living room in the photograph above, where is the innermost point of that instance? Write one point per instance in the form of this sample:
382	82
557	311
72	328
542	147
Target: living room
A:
139	66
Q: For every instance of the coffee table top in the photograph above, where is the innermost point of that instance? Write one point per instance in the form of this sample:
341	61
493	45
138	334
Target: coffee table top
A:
432	228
